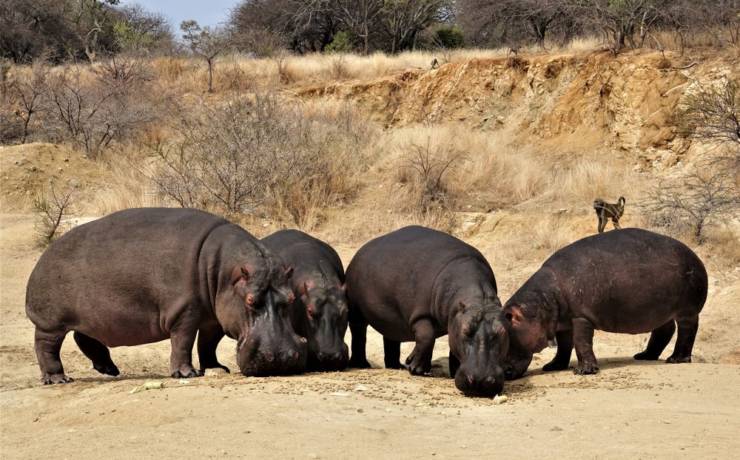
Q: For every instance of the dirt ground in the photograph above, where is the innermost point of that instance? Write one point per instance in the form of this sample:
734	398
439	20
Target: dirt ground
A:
631	409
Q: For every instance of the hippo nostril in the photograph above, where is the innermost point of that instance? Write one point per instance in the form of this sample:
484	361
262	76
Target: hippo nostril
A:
293	355
269	357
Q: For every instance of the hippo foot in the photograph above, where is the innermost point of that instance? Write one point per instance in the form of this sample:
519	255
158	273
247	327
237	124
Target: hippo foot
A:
107	369
52	379
555	366
416	368
396	365
645	356
359	363
673	359
202	370
586	369
186	373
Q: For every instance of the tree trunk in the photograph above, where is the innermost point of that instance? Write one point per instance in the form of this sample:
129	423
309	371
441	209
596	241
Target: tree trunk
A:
210	75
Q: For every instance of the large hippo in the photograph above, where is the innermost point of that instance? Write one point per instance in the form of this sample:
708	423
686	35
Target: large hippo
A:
630	281
319	312
143	275
419	284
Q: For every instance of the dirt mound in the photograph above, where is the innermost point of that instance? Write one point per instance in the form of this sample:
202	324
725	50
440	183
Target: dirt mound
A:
27	169
626	103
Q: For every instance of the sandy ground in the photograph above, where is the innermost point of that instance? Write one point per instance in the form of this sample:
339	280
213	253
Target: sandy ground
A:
629	410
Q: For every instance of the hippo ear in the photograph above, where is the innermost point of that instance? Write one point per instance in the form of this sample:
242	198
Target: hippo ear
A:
304	288
288	271
514	315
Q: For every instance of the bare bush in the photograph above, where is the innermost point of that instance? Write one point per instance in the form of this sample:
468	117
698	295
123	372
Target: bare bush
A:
52	206
93	112
429	164
707	195
28	95
251	155
712	114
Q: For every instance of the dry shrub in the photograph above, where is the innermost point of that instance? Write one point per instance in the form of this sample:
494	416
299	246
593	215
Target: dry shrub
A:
428	165
94	109
339	68
261	155
707	195
53	205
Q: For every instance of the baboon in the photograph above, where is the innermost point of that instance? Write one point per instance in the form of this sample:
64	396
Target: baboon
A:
606	211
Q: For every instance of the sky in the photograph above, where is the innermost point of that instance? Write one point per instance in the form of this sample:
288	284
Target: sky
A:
206	12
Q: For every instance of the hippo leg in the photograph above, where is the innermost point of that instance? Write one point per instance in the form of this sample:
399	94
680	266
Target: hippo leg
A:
420	360
208	339
392	352
687	328
561	360
182	338
454	365
47	346
583	337
659	339
358	328
97	353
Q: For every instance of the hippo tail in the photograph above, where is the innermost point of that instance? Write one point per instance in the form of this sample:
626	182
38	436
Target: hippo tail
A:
697	283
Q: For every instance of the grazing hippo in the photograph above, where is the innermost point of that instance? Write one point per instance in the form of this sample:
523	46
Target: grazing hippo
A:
319	312
630	281
143	275
419	284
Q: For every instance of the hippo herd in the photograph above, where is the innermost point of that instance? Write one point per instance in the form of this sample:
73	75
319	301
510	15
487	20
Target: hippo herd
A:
143	275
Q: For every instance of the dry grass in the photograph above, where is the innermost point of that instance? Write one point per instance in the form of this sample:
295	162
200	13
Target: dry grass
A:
235	71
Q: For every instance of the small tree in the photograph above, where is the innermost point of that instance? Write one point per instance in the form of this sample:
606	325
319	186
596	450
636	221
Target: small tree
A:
205	42
29	94
95	113
712	114
430	164
706	195
52	206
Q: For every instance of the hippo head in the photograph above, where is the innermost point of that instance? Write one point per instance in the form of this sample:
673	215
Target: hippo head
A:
326	323
255	311
479	340
516	362
530	327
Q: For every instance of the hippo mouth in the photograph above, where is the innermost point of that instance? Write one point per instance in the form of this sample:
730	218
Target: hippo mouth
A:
329	362
483	387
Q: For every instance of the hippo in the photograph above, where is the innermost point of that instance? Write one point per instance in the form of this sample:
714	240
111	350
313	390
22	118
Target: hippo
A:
628	281
143	275
319	312
419	284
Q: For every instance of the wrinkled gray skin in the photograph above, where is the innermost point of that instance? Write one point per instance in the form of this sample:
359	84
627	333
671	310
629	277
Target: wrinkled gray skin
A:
629	281
144	275
319	312
419	284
